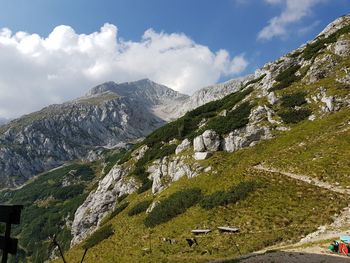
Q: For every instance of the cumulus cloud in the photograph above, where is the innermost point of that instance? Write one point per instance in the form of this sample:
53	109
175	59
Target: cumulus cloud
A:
293	11
37	71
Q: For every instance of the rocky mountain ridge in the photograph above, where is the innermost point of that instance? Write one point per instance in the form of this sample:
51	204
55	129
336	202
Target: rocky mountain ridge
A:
59	133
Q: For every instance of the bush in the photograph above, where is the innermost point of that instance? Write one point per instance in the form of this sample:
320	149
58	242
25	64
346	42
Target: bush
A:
122	197
234	120
173	206
292	100
68	192
286	78
146	184
86	173
139	208
114	213
237	193
119	209
112	159
101	234
295	116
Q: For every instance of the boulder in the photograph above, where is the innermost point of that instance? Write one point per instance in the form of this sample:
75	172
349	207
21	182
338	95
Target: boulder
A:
198	144
202	155
342	47
184	145
271	98
245	137
211	140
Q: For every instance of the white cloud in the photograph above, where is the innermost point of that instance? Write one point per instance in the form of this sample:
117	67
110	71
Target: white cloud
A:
293	11
37	71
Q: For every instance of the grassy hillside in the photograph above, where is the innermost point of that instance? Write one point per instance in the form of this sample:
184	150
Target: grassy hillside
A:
278	210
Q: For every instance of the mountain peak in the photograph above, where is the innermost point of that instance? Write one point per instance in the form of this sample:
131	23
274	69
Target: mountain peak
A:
104	87
336	25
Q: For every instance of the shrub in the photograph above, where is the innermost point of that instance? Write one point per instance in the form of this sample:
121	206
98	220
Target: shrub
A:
292	100
86	173
112	159
146	184
101	234
173	206
122	197
234	120
139	208
286	78
235	194
68	192
295	116
255	80
119	209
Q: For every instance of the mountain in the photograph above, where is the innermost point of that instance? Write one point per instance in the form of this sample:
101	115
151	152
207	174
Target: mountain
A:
271	157
230	162
109	114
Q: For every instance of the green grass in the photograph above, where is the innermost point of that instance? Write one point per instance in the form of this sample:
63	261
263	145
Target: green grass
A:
139	208
286	78
224	198
101	234
279	210
174	205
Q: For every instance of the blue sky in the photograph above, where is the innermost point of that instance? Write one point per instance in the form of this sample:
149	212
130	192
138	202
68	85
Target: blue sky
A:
230	37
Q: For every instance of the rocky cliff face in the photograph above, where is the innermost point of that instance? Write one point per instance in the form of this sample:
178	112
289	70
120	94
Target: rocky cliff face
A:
109	114
175	110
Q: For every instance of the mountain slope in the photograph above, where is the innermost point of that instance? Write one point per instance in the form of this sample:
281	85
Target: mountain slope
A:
303	93
199	171
111	113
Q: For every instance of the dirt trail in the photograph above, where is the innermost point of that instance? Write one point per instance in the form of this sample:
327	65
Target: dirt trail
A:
306	179
299	252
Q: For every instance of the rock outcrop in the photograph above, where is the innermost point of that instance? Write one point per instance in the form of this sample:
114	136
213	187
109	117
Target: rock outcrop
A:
89	215
209	141
184	145
166	170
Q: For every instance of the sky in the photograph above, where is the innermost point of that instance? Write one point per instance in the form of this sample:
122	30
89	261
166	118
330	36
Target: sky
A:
56	50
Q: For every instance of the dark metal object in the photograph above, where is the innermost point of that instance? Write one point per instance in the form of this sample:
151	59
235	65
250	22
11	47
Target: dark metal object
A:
9	214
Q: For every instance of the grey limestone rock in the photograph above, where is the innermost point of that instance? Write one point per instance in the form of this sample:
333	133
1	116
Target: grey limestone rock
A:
184	145
89	215
202	155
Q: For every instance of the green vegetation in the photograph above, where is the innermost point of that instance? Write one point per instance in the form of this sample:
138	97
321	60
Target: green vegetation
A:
173	206
118	209
286	78
139	208
112	158
294	116
235	194
280	209
48	205
294	99
98	236
233	120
